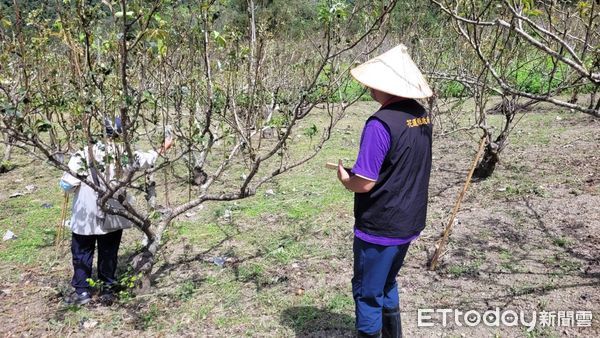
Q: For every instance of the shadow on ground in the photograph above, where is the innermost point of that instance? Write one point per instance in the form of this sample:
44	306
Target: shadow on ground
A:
540	257
309	321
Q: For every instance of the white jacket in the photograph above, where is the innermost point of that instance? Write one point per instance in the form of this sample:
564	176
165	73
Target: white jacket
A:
88	218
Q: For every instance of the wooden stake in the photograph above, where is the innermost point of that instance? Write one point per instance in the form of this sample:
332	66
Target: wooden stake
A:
60	230
441	244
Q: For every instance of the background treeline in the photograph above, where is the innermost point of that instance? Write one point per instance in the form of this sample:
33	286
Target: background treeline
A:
420	25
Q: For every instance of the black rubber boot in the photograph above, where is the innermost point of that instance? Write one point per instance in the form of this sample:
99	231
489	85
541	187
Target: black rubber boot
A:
361	334
392	325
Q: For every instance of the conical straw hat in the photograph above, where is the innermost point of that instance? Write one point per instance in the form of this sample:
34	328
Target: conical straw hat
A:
393	72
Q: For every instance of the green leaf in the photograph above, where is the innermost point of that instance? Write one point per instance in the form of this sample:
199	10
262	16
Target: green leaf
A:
124	160
219	39
311	131
43	126
161	47
6	23
532	12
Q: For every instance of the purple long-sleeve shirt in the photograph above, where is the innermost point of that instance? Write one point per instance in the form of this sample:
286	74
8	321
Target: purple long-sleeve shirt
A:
374	145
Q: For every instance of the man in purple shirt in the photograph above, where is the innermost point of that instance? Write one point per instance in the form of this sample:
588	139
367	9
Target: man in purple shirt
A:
390	180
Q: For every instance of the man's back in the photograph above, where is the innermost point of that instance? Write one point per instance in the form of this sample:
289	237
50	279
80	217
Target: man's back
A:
396	207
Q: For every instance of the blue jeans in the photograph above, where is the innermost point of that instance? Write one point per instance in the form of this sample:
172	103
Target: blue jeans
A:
374	285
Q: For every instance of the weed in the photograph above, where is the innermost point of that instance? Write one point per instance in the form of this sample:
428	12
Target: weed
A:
341	303
543	332
202	312
563	263
561	242
186	290
464	269
508	261
96	284
149	316
6	166
127	281
250	272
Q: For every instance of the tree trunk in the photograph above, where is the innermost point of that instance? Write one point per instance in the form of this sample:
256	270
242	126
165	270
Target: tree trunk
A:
509	108
5	165
143	262
487	165
490	157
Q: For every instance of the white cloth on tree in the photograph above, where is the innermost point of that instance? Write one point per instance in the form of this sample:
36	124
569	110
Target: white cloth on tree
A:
88	218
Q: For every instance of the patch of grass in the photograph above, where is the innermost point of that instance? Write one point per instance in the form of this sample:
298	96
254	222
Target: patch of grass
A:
523	289
250	272
563	262
514	181
341	302
231	319
202	311
464	269
505	255
6	166
507	261
289	252
539	129
115	322
540	332
185	291
148	317
273	300
561	242
72	316
230	293
308	194
34	226
205	234
303	317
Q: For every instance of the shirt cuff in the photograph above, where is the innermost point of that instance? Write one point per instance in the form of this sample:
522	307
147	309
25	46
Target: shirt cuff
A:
364	175
366	178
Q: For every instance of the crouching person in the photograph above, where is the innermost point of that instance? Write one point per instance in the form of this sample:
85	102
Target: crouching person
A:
90	225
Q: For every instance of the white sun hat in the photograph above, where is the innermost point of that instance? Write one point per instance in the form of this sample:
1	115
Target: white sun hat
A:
393	72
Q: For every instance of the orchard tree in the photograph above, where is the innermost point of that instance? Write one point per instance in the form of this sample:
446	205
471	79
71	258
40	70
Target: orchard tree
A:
235	97
525	52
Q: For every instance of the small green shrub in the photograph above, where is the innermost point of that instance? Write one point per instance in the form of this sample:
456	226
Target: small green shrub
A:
453	89
6	166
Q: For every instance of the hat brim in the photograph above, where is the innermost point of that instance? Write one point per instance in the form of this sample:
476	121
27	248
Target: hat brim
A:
394	73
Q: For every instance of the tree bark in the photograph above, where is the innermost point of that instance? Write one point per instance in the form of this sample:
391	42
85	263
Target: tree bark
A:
5	165
490	157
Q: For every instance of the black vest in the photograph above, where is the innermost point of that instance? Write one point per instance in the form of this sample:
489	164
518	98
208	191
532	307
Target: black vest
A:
396	207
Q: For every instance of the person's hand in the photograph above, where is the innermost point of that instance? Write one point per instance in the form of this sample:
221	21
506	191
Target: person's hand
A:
169	141
342	173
